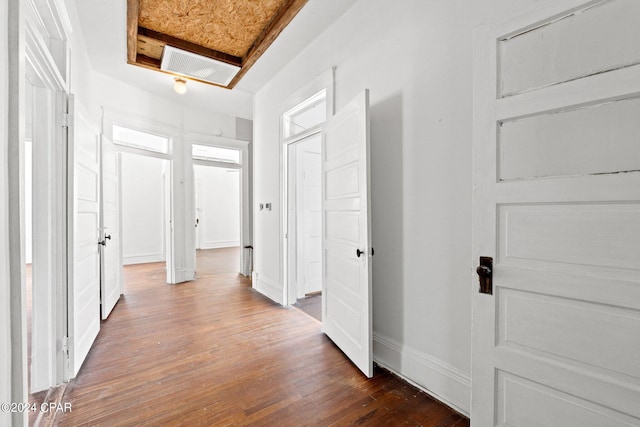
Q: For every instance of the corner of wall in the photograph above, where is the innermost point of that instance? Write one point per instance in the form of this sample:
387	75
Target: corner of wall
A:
185	275
268	287
435	377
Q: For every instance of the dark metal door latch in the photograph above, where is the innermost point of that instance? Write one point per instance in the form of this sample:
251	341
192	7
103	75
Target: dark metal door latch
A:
485	274
104	241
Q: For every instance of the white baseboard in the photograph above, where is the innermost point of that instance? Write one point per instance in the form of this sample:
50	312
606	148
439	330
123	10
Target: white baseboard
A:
143	258
218	244
433	376
267	287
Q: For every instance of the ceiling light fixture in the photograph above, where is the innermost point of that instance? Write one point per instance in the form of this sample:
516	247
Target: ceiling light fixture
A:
180	85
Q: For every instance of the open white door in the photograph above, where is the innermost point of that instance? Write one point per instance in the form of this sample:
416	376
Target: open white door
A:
111	265
346	227
199	211
557	205
84	283
168	223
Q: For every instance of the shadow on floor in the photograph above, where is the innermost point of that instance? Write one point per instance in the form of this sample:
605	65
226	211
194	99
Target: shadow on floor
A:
311	305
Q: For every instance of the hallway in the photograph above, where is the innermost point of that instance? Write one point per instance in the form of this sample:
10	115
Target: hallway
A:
214	352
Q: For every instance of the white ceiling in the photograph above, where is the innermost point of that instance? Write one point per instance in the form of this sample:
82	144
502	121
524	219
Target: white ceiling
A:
103	26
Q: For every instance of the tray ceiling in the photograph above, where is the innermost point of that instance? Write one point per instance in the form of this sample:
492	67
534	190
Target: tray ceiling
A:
235	32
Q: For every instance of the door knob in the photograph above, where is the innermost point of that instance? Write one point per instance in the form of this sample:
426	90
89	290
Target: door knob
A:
485	274
107	236
359	252
483	271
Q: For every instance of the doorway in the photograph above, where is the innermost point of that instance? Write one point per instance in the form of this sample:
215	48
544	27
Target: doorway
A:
345	219
302	150
218	217
43	224
143	183
145	197
305	224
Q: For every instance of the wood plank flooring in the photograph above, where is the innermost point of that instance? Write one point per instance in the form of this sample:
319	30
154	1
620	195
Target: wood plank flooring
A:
213	352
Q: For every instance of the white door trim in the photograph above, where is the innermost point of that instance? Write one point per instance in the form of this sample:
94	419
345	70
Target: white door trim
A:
109	118
28	22
233	144
15	111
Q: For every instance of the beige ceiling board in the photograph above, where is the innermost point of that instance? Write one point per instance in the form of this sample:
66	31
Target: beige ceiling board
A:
235	32
229	26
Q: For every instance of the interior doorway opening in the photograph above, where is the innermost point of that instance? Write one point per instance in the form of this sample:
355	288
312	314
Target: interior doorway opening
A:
302	150
145	168
145	207
43	197
304	224
218	216
38	229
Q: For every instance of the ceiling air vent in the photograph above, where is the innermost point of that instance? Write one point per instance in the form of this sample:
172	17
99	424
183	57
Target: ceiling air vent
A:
196	66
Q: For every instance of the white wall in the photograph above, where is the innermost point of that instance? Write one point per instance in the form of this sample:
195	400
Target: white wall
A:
143	209
416	59
219	202
81	75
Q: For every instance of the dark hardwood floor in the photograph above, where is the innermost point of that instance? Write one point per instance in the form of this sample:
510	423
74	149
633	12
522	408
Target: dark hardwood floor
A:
213	352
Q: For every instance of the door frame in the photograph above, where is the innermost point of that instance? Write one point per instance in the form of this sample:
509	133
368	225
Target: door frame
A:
48	226
325	82
110	118
49	66
25	42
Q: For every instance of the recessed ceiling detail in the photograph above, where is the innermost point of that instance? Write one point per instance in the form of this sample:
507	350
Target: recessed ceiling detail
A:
234	32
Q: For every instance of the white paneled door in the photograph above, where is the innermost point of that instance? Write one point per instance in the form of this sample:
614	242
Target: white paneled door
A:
84	286
557	207
111	265
346	228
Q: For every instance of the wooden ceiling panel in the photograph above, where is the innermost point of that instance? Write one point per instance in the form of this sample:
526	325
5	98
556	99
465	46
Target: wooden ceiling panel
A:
229	26
233	31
